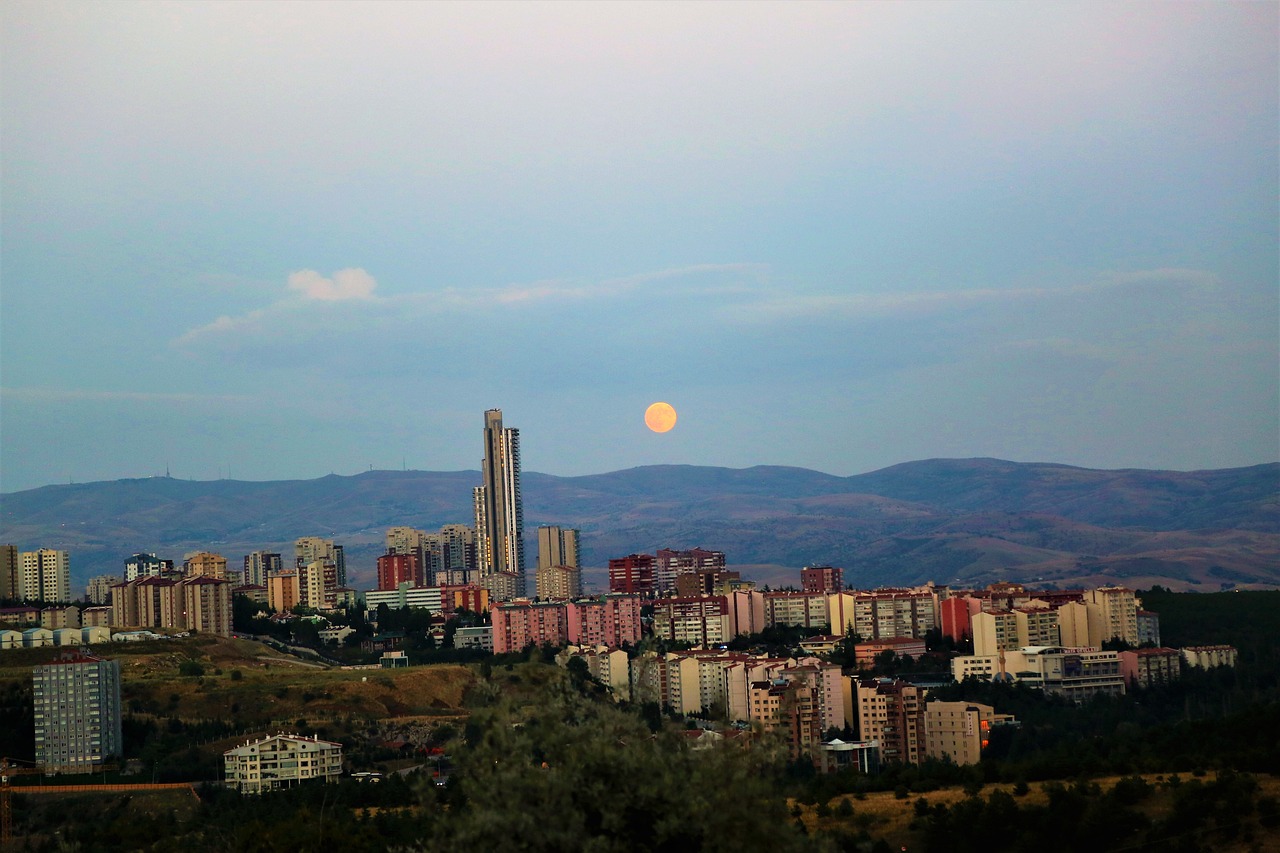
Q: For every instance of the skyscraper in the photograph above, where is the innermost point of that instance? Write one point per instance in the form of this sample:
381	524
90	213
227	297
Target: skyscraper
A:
500	512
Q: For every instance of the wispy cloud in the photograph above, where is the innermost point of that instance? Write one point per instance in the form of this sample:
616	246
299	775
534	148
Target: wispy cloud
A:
878	305
76	395
355	290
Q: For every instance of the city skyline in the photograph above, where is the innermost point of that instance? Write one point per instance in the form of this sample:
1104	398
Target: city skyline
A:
831	236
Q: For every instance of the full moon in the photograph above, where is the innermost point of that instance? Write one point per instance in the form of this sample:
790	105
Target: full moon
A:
660	417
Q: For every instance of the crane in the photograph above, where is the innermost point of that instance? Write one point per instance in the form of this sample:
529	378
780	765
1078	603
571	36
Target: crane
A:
9	768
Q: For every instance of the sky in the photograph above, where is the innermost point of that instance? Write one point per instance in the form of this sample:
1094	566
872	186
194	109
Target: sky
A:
282	240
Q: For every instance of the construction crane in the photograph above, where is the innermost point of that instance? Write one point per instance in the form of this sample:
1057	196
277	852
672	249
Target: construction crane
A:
9	768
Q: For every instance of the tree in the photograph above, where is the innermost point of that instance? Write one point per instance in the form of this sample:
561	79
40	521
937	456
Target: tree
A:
611	783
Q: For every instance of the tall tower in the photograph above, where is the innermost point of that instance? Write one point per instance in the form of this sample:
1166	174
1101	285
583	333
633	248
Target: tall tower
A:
500	512
557	546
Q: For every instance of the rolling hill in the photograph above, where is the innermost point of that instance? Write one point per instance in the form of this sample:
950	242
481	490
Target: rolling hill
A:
958	521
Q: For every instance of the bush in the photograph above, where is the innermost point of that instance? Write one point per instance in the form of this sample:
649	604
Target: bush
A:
190	667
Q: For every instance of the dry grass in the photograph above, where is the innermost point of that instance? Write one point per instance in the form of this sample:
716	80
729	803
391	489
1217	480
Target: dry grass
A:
888	817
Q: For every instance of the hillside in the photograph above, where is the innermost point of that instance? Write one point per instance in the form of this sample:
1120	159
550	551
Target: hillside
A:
947	520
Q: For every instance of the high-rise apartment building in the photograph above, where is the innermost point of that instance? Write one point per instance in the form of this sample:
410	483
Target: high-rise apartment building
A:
77	713
318	585
395	569
559	582
204	564
499	510
1119	611
631	574
822	579
452	559
259	564
672	564
146	565
557	546
892	712
45	575
313	549
957	731
199	603
284	590
98	590
10	573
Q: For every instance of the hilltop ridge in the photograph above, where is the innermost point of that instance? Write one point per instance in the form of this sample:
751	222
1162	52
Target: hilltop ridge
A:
947	520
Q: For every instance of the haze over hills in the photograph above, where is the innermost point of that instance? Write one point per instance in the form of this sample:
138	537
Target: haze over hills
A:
957	521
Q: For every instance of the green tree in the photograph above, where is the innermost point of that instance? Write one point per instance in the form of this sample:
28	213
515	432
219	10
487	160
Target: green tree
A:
610	783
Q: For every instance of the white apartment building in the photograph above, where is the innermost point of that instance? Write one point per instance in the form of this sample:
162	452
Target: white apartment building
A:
45	575
281	761
428	598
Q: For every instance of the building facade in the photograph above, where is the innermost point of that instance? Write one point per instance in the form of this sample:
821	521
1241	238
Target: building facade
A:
77	713
612	620
958	731
557	546
313	549
205	564
98	590
10	573
46	575
821	579
559	582
397	568
281	761
517	624
146	565
632	574
702	622
258	565
671	564
197	603
499	508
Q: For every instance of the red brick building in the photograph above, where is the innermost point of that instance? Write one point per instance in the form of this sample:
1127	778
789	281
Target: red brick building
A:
631	574
395	569
821	579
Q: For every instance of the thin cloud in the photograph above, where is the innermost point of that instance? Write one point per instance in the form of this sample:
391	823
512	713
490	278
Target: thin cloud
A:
879	305
76	395
355	290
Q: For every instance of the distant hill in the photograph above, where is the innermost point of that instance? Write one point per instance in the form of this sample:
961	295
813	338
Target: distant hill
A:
957	521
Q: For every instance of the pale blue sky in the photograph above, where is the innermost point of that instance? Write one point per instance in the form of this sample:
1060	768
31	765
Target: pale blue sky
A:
289	239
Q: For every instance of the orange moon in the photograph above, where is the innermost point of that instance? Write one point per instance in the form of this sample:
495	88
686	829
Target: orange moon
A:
660	417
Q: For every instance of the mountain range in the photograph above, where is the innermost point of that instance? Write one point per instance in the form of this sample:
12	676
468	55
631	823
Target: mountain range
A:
964	522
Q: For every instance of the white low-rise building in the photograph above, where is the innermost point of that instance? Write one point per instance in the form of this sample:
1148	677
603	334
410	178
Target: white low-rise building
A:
280	761
476	637
1210	656
1074	673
